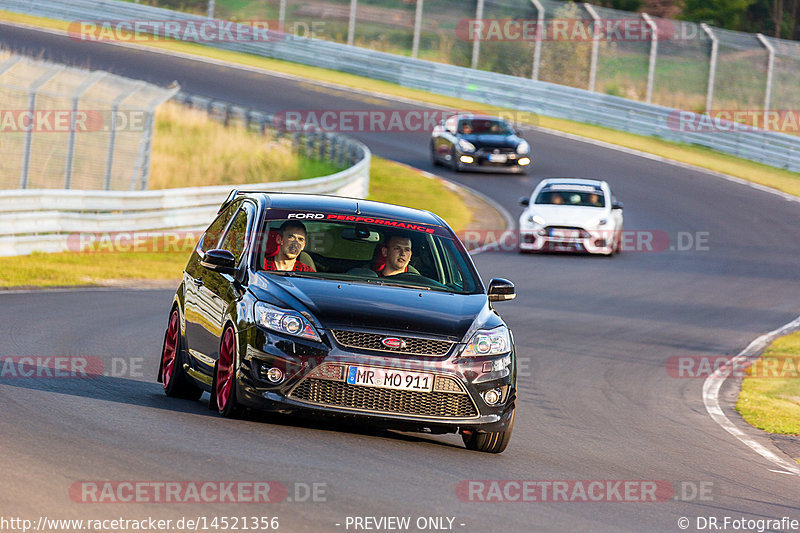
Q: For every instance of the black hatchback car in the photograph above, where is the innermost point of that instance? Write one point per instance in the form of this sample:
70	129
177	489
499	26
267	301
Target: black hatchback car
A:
345	307
471	142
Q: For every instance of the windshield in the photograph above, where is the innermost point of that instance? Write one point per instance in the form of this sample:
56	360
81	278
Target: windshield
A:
385	252
585	197
482	126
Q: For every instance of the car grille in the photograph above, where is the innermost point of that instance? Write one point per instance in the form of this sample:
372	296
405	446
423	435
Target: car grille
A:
447	400
582	232
372	341
500	150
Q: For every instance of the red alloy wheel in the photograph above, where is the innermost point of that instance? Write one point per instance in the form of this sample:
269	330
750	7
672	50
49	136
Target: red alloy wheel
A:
170	350
224	381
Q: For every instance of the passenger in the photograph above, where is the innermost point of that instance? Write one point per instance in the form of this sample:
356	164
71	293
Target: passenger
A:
466	128
594	200
291	241
556	198
397	253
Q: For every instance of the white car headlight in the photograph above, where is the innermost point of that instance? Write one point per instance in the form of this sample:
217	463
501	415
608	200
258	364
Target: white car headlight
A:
284	321
536	219
523	148
488	342
466	146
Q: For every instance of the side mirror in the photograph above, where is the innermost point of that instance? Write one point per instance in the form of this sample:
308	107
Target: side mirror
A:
501	290
617	205
221	261
524	200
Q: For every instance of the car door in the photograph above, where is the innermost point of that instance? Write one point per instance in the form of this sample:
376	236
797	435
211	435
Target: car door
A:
194	280
218	290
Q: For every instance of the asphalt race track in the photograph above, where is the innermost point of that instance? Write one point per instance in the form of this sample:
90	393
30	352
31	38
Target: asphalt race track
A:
594	335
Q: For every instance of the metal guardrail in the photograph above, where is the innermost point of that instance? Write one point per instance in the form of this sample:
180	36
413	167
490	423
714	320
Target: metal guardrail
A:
53	220
768	147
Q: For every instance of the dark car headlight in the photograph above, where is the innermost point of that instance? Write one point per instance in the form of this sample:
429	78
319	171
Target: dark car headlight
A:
488	342
284	321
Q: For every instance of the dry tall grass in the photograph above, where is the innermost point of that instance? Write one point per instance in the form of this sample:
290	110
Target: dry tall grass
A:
190	149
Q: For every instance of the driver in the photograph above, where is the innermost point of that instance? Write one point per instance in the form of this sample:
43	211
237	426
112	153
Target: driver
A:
291	240
397	252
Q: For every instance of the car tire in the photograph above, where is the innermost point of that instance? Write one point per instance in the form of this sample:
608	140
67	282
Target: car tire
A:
456	166
489	441
224	384
171	373
434	159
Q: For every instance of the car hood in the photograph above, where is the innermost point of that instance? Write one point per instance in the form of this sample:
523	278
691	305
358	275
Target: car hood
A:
340	304
568	215
493	141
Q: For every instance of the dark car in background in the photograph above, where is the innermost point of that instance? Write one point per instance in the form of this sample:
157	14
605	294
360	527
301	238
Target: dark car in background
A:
420	349
472	142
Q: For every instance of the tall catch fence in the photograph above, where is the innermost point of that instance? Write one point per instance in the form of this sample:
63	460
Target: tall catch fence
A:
69	128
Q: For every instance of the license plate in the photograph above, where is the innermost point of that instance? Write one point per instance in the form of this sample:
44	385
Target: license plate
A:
565	233
389	379
498	158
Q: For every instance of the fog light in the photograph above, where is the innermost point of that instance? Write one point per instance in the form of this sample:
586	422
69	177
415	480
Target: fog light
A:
524	161
275	375
492	396
467	159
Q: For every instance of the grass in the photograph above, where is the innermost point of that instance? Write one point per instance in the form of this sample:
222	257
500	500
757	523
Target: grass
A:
699	156
75	268
191	150
389	182
770	395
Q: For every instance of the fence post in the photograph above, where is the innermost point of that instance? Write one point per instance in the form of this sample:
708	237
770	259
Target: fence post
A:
210	9
26	152
417	28
712	66
82	88
595	45
282	17
147	147
651	69
351	24
113	139
537	50
476	41
770	70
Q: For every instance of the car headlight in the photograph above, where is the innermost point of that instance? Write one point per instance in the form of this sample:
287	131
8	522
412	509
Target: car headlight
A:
523	148
488	342
536	219
284	321
466	146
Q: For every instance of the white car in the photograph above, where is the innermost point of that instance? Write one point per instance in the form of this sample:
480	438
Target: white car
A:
571	215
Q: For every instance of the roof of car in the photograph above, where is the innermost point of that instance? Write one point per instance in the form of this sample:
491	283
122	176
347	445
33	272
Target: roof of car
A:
342	205
472	116
575	181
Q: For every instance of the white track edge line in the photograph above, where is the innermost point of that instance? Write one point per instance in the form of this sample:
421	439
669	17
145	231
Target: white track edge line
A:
713	383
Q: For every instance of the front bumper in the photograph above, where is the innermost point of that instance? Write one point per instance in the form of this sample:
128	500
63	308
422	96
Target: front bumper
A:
481	161
313	386
589	241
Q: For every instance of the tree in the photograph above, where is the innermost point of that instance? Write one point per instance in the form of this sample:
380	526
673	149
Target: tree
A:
728	14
